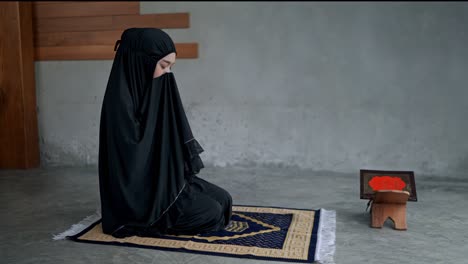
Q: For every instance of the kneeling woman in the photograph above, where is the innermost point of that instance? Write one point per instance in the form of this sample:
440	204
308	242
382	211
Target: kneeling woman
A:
148	157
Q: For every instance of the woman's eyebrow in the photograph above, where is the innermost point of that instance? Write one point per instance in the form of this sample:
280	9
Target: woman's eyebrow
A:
166	61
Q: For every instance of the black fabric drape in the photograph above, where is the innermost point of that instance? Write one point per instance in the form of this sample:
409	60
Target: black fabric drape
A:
147	151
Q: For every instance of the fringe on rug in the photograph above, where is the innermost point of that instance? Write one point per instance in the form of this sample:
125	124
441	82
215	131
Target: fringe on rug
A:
325	249
80	226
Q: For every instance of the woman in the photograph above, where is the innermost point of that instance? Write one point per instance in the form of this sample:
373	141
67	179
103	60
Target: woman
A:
148	157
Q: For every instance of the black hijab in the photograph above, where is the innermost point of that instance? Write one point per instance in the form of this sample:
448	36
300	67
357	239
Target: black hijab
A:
147	152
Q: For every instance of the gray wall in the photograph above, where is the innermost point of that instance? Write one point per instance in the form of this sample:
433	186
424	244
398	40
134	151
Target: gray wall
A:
328	86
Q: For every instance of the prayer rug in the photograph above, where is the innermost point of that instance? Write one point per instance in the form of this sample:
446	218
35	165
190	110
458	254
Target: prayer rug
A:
267	233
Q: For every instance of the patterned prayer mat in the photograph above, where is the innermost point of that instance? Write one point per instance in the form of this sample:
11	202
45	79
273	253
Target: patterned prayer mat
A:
268	233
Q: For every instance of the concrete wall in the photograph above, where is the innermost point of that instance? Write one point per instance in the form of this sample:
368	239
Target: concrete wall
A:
328	86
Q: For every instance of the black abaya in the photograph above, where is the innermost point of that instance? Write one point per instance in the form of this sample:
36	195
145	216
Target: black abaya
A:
148	157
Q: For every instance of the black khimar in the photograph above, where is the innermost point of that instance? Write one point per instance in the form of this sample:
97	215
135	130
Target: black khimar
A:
146	148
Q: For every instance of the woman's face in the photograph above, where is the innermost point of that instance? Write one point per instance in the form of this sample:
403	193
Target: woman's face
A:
164	65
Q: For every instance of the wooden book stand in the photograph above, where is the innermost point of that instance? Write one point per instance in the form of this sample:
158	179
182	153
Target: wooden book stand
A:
389	204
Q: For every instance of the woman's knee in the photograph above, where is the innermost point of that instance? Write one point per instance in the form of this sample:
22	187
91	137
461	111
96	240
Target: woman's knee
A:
228	204
216	215
223	195
217	193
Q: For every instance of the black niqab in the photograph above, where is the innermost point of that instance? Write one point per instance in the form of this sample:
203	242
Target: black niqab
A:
147	152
